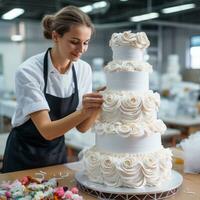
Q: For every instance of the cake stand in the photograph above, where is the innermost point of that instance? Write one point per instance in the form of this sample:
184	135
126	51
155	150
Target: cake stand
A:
103	192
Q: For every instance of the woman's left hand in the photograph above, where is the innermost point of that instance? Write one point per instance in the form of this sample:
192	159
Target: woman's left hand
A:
92	102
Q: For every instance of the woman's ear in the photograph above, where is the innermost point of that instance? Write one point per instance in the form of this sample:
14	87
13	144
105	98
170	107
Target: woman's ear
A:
55	36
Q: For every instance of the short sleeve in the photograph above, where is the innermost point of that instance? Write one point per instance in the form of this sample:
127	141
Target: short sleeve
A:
29	93
84	82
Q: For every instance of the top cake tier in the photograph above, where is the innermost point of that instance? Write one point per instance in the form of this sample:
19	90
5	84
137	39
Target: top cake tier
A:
128	52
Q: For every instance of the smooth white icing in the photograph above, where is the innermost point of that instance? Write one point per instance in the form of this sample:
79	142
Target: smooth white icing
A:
127	53
128	170
134	81
142	144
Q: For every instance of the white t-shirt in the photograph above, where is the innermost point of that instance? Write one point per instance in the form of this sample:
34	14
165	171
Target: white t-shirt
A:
29	83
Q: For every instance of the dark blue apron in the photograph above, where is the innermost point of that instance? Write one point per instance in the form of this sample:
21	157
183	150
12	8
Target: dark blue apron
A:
26	148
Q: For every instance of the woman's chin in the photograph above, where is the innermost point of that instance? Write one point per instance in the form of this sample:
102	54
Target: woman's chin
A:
74	58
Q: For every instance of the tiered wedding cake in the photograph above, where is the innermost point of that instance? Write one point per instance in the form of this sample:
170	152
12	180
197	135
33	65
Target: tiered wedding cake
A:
128	150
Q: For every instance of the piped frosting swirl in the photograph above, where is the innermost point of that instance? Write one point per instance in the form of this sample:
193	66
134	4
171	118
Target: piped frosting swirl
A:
127	38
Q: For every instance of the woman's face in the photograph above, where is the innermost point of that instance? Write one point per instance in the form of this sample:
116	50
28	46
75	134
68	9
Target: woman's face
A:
75	42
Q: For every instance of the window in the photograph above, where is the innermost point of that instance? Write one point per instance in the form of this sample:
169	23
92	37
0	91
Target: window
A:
195	52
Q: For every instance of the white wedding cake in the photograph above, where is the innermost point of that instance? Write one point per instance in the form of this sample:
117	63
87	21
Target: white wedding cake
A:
128	150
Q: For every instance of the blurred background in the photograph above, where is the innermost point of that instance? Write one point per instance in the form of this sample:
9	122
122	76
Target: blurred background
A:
172	26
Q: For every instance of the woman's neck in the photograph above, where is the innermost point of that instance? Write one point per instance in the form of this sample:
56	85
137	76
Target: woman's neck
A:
60	63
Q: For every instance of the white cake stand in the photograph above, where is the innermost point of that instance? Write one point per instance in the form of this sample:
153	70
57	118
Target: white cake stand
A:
103	192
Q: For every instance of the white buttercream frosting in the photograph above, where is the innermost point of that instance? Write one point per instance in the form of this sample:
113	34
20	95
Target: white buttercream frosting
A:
127	38
128	65
128	52
128	150
128	170
126	130
125	106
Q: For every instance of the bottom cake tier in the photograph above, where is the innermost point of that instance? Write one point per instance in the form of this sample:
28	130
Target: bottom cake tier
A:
128	170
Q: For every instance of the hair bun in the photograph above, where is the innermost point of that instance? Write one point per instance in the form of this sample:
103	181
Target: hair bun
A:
47	26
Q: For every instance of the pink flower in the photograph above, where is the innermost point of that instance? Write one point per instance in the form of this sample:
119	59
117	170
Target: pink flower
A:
59	191
74	190
25	180
8	194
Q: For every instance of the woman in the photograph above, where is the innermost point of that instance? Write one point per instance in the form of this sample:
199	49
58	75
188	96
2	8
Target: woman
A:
53	91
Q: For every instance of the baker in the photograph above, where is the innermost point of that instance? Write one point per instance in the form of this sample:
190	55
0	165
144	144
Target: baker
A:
53	93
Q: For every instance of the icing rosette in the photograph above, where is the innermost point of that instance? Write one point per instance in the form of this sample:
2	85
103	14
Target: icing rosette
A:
166	163
108	170
99	128
149	117
132	170
137	40
131	66
124	130
141	41
157	100
150	167
131	173
91	162
110	106
109	128
120	39
127	37
137	130
151	102
147	130
130	108
158	126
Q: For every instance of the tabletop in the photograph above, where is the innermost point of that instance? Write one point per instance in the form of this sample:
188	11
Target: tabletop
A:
189	190
182	120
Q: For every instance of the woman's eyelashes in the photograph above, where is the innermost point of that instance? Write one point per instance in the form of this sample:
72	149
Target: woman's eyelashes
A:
77	42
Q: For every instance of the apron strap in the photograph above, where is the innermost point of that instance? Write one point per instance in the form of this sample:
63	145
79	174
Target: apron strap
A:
75	80
45	70
45	73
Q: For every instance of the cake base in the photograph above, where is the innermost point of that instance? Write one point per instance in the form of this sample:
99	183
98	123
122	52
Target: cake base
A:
169	188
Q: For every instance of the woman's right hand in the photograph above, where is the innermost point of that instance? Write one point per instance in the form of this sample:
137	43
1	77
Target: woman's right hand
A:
91	103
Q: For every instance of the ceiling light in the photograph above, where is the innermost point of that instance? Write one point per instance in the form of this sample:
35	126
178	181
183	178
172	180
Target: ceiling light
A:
86	9
178	8
17	38
12	14
94	6
144	17
100	4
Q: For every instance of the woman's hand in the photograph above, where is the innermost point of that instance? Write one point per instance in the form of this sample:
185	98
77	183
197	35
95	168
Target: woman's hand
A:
92	103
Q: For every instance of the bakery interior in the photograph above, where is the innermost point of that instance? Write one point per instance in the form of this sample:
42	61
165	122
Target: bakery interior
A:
174	53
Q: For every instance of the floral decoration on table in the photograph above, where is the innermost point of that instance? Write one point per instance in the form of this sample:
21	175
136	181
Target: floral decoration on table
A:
30	188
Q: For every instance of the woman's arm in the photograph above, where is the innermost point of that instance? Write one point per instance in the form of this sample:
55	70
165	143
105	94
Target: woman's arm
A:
53	129
86	124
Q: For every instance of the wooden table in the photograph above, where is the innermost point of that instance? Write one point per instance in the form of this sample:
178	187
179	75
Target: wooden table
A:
190	189
172	135
186	124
